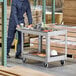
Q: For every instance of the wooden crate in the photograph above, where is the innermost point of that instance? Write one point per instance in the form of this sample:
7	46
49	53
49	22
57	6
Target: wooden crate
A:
58	18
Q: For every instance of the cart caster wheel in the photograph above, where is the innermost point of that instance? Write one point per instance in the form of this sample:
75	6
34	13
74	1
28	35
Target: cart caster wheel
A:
46	65
24	60
62	62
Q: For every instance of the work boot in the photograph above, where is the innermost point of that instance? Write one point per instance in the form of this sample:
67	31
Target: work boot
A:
8	56
18	57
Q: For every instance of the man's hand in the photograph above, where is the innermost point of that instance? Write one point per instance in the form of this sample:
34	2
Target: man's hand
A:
18	26
29	26
24	14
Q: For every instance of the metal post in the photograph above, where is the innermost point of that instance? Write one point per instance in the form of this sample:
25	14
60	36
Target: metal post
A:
40	43
22	43
47	48
9	2
1	0
44	12
4	33
35	3
53	11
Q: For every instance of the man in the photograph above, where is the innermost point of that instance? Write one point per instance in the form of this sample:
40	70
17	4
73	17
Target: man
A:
18	9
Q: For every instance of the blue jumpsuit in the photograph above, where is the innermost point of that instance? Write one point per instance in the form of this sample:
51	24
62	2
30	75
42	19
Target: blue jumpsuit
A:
18	8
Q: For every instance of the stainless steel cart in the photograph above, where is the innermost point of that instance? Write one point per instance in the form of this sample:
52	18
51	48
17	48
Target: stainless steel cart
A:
48	35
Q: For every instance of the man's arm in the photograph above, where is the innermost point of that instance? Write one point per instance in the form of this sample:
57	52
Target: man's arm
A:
14	11
28	12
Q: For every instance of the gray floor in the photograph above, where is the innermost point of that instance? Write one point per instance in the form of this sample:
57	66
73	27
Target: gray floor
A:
55	68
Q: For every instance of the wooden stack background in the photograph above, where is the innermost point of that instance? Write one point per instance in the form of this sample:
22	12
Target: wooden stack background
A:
69	12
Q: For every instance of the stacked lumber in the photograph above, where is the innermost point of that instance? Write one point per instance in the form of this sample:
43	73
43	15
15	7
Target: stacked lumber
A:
58	42
69	12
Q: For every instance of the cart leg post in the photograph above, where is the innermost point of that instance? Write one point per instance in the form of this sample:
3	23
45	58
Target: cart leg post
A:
47	50
66	44
40	44
22	44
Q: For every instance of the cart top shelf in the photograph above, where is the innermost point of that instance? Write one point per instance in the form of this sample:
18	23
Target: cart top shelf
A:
42	33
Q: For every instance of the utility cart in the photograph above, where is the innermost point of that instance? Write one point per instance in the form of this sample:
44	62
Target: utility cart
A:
47	58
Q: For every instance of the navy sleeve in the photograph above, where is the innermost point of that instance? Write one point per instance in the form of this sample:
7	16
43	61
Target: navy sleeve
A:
28	12
14	11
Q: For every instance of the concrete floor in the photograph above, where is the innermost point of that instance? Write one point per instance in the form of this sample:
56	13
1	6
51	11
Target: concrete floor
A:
55	68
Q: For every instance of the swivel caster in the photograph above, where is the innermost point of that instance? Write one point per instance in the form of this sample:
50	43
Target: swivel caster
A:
24	60
62	62
46	65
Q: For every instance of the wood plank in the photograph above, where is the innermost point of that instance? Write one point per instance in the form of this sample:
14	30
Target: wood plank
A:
70	34
70	3
72	39
70	24
70	19
22	71
69	12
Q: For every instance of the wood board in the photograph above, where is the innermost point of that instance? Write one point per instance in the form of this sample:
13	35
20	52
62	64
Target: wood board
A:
21	71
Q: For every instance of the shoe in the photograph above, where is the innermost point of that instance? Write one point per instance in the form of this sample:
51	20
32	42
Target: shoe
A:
18	57
8	56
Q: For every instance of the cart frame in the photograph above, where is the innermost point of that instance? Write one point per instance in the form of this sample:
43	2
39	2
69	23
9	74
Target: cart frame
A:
48	35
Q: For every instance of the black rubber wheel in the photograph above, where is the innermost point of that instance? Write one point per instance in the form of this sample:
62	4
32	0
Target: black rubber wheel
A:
24	60
62	62
45	65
